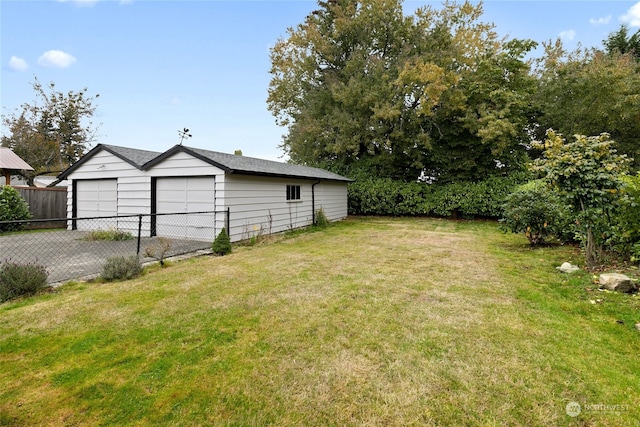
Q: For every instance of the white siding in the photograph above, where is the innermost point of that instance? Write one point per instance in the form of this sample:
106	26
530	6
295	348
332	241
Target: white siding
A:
134	198
104	165
258	204
331	197
183	164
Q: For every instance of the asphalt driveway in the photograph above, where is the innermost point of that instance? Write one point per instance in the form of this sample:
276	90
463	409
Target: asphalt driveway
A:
67	256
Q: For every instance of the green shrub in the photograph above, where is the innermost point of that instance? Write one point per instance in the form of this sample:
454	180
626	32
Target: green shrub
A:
121	268
321	219
21	279
111	234
626	220
383	196
12	208
536	211
222	244
634	252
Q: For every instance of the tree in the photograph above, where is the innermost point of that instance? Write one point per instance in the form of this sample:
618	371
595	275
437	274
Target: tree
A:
362	86
222	243
53	131
620	42
489	133
587	172
588	92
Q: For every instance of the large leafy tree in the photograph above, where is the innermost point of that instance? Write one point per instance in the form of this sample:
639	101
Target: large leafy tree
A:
489	131
53	131
361	85
589	92
622	42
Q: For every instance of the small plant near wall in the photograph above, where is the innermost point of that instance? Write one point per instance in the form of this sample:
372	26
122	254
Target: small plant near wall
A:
321	219
257	237
252	235
18	280
257	233
121	268
159	249
222	244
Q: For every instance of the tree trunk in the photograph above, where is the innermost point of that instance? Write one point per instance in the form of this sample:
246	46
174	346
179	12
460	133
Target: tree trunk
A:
591	250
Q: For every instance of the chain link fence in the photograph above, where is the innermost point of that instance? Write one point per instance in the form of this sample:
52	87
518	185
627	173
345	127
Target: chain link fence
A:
80	250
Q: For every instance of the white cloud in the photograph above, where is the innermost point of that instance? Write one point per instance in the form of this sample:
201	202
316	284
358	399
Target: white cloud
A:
18	64
600	21
632	17
567	35
56	59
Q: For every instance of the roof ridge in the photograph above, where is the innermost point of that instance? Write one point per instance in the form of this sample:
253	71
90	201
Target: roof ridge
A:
129	148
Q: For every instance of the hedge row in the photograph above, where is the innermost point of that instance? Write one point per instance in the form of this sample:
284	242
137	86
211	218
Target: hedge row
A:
383	196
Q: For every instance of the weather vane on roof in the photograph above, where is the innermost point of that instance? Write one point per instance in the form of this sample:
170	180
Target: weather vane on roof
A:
184	133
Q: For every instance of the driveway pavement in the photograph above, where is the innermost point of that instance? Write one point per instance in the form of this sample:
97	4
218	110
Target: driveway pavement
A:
67	256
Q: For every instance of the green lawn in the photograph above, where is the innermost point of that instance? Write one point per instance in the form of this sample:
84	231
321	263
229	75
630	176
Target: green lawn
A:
372	321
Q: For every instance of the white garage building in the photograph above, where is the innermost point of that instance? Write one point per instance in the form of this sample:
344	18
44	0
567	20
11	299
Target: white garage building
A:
192	193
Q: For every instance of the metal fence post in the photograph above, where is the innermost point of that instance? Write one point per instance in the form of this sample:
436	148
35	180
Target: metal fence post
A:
139	234
227	221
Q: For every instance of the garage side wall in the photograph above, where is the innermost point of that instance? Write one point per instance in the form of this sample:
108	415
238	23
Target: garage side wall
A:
259	205
331	197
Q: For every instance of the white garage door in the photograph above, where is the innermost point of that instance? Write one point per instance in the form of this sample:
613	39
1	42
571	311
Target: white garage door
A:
96	198
183	197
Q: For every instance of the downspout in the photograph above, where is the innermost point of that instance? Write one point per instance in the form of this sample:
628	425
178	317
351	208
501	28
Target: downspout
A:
313	202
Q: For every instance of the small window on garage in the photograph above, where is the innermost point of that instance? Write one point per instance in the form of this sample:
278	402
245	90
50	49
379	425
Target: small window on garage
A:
293	192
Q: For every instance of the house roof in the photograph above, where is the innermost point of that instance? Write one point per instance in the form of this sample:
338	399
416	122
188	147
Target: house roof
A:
11	161
244	165
133	156
136	158
230	163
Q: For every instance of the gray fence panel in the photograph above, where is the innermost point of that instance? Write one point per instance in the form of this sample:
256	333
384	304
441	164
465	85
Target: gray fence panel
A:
82	252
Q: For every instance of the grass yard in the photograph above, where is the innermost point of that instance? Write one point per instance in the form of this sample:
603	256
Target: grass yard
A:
372	321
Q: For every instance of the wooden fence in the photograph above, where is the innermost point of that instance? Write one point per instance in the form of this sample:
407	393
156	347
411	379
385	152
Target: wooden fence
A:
46	203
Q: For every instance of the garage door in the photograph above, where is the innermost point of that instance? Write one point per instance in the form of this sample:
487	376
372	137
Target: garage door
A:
180	203
96	198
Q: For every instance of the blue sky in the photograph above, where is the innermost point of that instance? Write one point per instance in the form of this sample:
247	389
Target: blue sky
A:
160	66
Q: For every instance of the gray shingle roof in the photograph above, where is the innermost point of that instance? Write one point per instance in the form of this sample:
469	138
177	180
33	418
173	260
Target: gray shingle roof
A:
230	163
252	166
136	157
